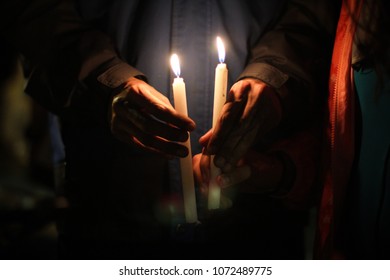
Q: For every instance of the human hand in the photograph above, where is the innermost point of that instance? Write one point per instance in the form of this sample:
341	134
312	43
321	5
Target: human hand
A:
201	168
256	173
142	116
252	109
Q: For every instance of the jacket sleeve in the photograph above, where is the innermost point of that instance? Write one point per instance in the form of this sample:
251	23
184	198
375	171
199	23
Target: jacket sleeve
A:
294	57
296	53
62	51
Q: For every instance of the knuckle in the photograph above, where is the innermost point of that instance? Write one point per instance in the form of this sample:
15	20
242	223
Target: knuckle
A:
161	107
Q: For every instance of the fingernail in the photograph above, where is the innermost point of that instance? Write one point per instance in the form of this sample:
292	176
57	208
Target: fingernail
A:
191	126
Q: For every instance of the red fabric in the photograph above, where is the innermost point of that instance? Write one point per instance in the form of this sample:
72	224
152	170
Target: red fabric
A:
339	150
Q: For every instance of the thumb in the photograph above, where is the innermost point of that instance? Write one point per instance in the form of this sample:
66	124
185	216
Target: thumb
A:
204	140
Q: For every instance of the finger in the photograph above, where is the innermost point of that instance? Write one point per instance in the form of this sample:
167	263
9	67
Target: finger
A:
263	107
205	138
196	168
147	124
254	102
132	140
230	116
129	133
226	141
205	168
154	127
203	187
243	135
237	176
153	102
229	155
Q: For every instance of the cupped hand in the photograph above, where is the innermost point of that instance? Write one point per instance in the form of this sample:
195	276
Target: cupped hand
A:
252	109
142	116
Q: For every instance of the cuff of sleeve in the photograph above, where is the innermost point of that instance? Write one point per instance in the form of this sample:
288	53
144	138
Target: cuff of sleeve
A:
265	72
96	91
292	94
117	73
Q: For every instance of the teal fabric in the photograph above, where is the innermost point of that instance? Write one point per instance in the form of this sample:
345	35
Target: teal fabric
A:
370	217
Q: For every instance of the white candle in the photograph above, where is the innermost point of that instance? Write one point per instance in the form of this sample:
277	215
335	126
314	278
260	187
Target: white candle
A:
187	177
220	89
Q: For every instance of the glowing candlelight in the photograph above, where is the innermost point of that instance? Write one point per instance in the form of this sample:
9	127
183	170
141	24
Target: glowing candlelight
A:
220	89
187	177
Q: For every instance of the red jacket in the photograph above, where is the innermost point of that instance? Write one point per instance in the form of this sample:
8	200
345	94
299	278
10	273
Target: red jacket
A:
339	150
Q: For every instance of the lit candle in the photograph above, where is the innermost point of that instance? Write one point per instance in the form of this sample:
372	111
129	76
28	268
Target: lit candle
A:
187	177
220	89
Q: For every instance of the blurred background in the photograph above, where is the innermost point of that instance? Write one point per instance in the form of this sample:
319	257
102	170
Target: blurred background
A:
28	173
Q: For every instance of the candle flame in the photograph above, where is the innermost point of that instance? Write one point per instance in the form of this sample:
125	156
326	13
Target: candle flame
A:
221	50
175	64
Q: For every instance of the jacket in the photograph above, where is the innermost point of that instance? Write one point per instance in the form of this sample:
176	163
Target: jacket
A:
339	148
